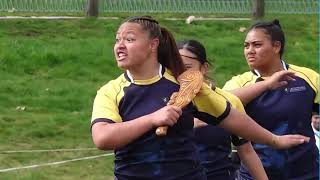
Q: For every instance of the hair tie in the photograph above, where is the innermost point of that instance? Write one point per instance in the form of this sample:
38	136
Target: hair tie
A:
276	22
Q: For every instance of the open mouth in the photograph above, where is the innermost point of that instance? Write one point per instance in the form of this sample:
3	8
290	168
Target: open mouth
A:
121	56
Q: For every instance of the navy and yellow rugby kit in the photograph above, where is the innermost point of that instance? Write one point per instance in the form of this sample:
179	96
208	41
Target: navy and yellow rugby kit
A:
286	110
150	156
214	145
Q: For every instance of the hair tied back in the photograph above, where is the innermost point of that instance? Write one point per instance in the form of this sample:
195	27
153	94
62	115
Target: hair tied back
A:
276	22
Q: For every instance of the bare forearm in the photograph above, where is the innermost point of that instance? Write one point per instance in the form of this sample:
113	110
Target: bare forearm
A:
108	136
242	125
248	93
251	160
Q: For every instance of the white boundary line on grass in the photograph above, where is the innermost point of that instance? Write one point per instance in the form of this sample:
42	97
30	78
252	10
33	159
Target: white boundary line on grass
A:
211	19
47	150
57	150
53	163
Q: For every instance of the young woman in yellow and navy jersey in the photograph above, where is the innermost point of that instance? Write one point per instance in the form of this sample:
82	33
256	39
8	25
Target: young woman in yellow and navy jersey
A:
284	110
127	110
213	144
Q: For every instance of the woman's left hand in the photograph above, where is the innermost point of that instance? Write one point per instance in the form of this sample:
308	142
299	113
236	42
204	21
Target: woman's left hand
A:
288	141
279	79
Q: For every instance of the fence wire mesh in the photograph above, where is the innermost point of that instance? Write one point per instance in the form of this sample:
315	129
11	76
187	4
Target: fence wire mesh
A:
162	6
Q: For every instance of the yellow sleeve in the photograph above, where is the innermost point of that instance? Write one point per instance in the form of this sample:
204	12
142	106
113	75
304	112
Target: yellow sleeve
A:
239	81
313	80
105	105
310	76
232	84
236	104
317	87
212	107
234	100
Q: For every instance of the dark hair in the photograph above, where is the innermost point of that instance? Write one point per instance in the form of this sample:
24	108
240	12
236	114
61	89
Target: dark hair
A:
168	53
196	48
273	29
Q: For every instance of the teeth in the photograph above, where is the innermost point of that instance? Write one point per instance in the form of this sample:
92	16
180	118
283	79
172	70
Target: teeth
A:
121	54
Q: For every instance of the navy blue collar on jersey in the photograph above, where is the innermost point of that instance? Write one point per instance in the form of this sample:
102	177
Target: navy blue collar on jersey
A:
130	78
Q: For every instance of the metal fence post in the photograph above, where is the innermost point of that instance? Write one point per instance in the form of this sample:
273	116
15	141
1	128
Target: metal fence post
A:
258	8
92	8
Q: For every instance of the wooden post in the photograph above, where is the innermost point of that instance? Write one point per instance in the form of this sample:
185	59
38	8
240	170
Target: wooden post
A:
258	8
92	8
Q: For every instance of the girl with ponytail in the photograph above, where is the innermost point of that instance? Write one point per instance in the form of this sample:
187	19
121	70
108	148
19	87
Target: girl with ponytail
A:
127	110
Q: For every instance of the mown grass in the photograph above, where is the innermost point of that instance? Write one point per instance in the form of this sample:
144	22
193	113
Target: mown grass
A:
54	67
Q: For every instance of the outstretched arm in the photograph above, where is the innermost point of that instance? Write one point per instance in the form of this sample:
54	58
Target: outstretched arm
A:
251	160
242	125
248	93
107	136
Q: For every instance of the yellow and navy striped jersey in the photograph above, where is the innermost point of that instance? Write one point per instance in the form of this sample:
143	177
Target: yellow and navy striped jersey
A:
150	156
308	75
286	110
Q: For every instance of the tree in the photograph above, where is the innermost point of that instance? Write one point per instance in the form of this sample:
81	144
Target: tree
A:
258	8
92	8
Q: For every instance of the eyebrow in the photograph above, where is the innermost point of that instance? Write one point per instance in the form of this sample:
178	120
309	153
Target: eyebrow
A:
188	56
253	41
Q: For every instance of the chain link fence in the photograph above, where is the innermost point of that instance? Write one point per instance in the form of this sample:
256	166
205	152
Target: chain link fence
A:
162	6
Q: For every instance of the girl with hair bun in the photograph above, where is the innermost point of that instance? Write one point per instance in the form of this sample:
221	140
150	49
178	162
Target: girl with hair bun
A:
285	108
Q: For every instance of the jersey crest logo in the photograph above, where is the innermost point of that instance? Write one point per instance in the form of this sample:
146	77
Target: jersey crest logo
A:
297	89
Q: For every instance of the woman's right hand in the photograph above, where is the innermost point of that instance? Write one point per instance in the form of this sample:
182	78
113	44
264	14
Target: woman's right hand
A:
279	79
166	116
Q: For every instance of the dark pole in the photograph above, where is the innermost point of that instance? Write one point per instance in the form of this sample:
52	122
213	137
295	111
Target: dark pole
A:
92	8
258	9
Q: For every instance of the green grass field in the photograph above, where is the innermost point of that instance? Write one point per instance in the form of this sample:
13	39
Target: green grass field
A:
54	67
